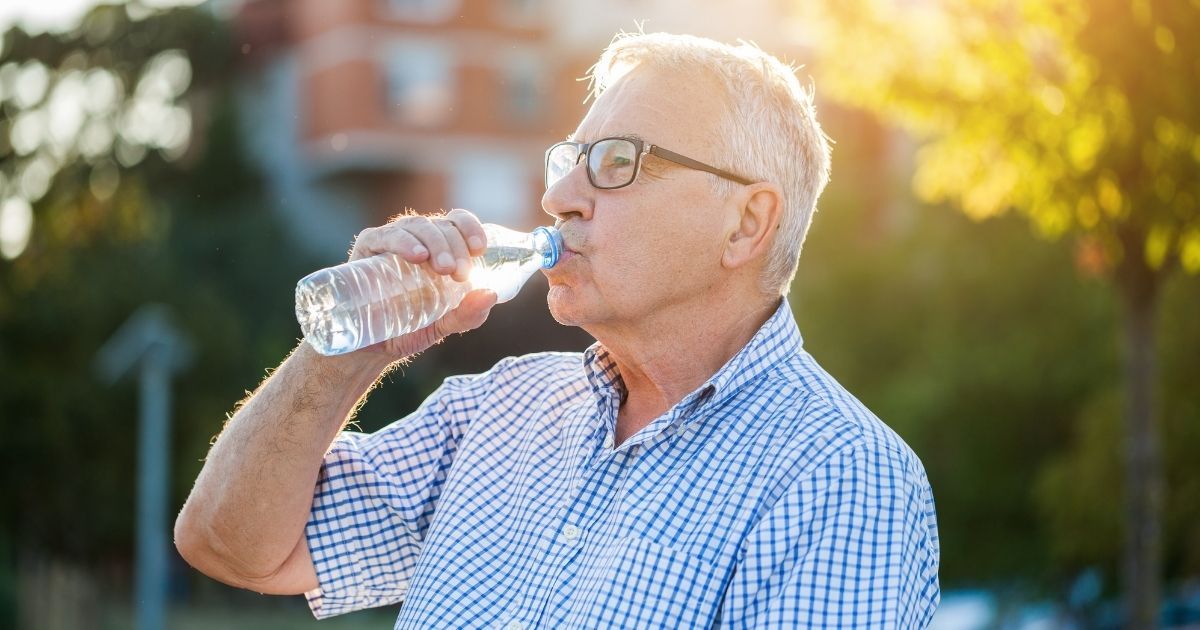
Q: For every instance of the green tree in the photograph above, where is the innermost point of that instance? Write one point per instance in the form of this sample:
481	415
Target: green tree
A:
1080	116
120	145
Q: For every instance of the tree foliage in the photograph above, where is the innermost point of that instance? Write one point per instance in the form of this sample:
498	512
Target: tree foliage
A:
125	211
1079	115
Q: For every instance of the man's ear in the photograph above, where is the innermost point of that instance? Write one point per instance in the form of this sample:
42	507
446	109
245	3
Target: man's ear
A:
759	209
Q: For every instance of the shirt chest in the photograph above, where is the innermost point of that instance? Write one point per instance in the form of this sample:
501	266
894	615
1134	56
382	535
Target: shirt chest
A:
556	527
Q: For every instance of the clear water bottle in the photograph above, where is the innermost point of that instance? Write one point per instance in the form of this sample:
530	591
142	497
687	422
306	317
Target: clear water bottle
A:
366	301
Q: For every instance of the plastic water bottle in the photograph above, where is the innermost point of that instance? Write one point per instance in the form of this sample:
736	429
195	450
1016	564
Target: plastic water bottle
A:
366	301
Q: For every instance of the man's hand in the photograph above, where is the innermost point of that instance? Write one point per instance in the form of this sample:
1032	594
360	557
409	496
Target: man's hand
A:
444	244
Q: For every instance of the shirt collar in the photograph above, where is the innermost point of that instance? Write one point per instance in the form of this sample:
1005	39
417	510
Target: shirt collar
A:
602	373
776	340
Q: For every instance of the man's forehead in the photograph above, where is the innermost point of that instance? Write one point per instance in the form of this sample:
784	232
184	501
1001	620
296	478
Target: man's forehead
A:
625	109
654	106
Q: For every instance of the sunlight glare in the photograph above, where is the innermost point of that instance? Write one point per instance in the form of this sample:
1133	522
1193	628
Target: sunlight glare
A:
31	84
16	224
35	179
28	131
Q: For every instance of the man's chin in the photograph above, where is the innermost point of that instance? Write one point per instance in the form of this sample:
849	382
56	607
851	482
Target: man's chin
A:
564	306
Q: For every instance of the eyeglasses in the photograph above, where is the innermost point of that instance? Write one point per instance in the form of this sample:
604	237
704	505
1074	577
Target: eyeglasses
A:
616	162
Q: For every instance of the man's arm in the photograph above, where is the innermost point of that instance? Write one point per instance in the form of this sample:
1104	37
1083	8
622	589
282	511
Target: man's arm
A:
244	520
243	523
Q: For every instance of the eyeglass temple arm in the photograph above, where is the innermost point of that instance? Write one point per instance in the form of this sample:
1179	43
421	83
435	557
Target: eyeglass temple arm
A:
672	156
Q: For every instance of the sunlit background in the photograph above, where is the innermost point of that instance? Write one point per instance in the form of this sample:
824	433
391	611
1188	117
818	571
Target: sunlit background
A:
1004	267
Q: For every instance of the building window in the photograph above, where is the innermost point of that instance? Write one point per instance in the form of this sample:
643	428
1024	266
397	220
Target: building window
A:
420	83
524	88
521	13
422	10
495	186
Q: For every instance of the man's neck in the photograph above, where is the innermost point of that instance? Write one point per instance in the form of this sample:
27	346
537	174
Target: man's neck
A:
668	355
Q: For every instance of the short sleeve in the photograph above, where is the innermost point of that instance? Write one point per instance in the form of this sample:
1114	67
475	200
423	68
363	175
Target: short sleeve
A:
376	495
854	544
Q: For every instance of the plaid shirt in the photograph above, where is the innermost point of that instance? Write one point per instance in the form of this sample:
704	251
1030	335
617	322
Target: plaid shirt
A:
768	497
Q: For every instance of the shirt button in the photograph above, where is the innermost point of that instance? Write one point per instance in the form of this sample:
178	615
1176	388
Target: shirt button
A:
578	484
515	625
608	441
570	533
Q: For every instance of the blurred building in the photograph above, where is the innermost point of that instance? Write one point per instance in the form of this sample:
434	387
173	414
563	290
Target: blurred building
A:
360	109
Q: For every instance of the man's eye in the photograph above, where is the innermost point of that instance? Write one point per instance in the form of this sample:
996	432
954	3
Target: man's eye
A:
618	161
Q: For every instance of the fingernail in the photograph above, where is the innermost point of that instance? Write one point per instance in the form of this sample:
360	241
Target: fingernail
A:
445	260
475	242
420	250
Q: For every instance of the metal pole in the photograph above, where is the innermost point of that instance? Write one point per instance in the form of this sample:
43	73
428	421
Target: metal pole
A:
149	342
153	449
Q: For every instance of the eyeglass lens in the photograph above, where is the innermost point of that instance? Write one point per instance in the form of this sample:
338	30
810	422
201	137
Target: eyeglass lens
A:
611	163
561	160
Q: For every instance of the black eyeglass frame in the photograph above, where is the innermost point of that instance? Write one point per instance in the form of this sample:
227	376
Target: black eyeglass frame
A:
642	148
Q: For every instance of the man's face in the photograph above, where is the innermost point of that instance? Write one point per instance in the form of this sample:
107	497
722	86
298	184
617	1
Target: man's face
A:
655	244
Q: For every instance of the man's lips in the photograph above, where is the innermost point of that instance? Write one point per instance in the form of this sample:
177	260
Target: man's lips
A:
568	250
568	238
565	255
573	240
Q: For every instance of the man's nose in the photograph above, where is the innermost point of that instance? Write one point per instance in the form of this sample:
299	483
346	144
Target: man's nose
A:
571	197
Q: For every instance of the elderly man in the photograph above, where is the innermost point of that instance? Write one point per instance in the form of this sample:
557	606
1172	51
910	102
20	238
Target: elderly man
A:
693	468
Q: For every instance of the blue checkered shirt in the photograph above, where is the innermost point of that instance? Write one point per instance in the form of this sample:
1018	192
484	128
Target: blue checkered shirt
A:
768	497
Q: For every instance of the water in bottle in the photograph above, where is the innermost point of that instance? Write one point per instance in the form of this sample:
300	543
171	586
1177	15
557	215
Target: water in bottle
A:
366	301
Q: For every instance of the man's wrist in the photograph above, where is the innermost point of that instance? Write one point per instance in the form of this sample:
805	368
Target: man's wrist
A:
361	367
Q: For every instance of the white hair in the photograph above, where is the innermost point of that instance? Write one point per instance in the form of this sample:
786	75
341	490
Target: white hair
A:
770	132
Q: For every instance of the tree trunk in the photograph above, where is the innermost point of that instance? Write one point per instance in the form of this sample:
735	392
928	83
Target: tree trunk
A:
1142	562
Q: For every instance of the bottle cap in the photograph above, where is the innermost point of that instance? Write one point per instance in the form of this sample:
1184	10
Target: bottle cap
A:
548	241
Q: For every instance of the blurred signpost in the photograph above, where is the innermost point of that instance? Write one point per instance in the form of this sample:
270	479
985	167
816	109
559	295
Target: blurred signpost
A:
149	343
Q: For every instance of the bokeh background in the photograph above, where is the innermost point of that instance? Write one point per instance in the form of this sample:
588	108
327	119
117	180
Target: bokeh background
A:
1004	267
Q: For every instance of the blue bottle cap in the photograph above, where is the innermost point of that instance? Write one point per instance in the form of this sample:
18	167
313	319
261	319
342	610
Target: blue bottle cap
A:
548	241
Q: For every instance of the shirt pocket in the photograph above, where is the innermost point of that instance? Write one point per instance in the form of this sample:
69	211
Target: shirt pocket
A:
638	583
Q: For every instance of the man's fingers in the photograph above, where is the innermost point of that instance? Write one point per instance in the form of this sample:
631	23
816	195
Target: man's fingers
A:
447	243
458	246
385	240
471	229
441	257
